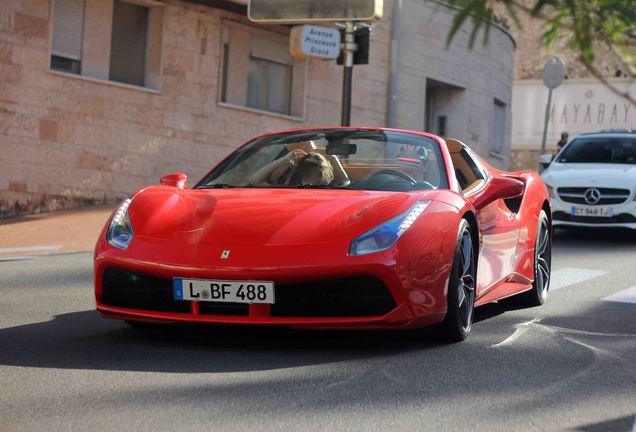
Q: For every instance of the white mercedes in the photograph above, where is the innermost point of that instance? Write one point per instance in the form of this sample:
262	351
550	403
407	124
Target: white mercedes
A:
592	181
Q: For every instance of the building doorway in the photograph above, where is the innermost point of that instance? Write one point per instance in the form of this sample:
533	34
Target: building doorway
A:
444	109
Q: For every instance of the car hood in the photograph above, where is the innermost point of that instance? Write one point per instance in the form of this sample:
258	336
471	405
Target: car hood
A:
264	217
590	175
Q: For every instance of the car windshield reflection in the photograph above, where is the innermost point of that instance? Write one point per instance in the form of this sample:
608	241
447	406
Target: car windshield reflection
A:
358	159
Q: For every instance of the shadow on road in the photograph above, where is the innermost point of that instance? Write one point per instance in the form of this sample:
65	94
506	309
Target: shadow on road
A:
87	341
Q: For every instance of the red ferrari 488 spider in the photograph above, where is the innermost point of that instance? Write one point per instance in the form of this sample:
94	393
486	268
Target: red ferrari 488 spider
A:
329	228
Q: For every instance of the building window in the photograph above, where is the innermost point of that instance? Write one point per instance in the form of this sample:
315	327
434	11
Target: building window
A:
68	26
498	133
128	43
124	39
269	85
258	71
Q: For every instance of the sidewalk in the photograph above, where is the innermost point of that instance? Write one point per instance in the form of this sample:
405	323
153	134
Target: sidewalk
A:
57	232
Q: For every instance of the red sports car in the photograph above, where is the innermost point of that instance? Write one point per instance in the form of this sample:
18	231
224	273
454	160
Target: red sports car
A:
329	228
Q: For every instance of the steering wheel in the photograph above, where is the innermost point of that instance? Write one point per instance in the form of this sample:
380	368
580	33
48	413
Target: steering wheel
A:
394	173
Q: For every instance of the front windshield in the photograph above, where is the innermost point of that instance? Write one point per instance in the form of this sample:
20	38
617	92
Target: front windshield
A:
600	150
334	159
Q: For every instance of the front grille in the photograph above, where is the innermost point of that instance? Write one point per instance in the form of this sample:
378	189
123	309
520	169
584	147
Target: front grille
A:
621	218
347	297
128	289
576	195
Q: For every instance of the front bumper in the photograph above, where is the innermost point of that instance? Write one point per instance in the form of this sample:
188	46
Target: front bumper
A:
622	215
416	289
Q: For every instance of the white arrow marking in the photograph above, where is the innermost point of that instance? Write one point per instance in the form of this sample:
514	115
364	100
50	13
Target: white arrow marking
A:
521	328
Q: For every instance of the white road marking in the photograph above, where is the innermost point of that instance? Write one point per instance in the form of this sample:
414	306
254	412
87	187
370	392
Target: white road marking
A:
30	249
634	427
625	296
521	328
16	258
567	276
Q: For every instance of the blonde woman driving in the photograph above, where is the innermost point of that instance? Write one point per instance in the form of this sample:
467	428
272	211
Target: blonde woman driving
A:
295	169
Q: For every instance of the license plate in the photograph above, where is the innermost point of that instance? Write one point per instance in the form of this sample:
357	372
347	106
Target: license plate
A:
223	291
592	211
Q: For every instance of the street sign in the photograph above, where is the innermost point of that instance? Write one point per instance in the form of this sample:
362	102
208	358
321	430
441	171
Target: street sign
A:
553	73
311	11
315	42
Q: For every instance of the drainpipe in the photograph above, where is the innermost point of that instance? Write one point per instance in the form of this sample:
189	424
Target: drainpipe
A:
394	64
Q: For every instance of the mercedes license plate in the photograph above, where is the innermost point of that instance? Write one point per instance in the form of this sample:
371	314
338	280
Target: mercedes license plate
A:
592	211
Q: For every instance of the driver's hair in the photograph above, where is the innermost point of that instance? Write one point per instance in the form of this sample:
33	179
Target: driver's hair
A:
286	175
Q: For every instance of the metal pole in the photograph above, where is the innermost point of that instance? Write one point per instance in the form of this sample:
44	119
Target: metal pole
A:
349	48
545	124
395	62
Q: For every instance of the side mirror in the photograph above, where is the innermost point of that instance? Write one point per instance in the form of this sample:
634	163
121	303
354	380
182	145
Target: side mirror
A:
499	187
545	159
178	180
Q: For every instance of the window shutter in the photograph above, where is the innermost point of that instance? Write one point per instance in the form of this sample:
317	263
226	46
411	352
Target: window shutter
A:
68	23
273	49
128	43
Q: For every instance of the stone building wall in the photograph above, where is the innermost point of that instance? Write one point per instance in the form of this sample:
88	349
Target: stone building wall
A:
69	140
531	54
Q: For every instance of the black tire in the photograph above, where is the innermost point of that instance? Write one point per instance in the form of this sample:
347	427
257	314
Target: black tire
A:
542	264
461	287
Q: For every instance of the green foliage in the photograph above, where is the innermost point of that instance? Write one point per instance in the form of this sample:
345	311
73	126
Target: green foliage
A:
586	26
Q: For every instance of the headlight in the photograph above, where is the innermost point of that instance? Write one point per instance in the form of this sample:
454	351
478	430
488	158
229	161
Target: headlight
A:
384	236
120	232
550	191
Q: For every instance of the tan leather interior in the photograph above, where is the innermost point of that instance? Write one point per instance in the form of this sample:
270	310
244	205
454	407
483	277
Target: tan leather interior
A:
465	175
360	171
356	171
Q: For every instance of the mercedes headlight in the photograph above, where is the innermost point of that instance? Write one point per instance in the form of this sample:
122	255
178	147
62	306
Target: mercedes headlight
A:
550	191
120	232
384	236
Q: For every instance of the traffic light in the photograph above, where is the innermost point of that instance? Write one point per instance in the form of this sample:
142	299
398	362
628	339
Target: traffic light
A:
362	37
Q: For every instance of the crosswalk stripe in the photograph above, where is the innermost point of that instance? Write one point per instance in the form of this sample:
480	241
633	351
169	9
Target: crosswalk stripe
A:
625	296
567	276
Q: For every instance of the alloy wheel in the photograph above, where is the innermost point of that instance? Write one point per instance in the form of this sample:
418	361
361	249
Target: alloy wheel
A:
466	281
543	259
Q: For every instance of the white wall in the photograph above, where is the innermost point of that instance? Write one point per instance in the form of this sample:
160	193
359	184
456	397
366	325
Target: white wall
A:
578	106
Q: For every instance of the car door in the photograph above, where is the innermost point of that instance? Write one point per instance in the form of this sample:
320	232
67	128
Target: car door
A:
498	224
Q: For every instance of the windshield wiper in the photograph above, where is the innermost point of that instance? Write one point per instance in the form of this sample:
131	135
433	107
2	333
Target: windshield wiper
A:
217	186
310	186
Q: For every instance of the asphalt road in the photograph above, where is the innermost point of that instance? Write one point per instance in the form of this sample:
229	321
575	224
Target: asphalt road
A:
568	365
